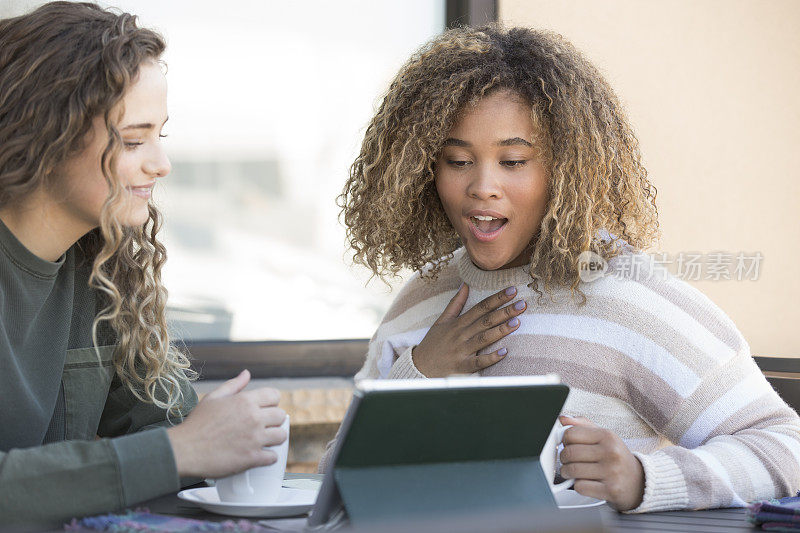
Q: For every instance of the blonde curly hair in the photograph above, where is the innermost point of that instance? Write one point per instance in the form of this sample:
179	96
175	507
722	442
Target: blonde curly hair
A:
598	185
61	66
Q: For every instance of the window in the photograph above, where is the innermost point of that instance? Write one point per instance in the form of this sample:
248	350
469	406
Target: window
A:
268	102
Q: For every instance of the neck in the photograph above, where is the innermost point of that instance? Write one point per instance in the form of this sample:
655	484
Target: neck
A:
42	225
489	279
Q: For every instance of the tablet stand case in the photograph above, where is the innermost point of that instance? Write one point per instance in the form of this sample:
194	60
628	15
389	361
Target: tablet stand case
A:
412	454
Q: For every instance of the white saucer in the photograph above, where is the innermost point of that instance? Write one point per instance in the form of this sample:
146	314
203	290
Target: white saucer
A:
569	499
291	502
293	483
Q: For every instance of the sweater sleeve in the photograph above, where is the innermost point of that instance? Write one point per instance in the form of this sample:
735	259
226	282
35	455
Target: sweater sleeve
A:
50	484
735	439
404	368
125	415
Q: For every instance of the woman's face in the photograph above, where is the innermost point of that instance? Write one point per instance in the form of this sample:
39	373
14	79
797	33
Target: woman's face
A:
491	183
80	185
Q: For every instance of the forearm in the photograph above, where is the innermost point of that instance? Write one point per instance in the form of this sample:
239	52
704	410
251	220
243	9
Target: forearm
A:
52	483
726	472
759	459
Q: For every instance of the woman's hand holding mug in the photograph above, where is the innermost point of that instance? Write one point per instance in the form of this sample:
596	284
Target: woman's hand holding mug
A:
227	431
601	464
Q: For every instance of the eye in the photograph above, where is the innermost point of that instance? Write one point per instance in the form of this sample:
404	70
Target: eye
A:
458	163
132	145
514	163
163	135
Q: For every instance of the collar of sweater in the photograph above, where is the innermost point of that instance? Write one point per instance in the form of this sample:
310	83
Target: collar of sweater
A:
492	280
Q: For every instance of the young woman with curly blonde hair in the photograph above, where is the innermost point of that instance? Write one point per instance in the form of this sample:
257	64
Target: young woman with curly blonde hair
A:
86	362
497	162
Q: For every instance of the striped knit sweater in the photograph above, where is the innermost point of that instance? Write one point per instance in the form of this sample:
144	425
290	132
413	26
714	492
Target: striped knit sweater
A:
648	357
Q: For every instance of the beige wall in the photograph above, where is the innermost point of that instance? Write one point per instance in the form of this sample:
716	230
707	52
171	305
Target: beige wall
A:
713	91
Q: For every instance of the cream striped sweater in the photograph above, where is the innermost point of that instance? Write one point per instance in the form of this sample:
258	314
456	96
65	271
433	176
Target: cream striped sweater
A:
648	357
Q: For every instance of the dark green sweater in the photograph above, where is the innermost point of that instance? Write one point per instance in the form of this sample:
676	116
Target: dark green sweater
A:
57	397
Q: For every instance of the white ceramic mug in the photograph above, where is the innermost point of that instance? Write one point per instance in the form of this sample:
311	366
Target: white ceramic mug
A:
549	455
259	485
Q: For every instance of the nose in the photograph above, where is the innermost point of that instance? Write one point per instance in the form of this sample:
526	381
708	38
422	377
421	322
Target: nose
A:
484	184
157	164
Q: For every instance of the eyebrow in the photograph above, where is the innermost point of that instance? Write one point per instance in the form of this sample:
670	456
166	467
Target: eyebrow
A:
515	140
456	142
506	142
142	126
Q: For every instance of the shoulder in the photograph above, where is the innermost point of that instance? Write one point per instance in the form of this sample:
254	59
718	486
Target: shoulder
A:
422	287
637	279
416	307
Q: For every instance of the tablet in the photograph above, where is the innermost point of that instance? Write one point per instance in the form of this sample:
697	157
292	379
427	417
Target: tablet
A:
411	449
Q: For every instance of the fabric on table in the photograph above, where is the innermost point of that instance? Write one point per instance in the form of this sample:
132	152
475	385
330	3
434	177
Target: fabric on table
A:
143	520
776	515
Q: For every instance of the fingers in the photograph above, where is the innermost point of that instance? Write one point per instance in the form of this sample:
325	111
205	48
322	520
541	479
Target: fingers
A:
479	362
489	304
581	453
591	488
272	416
274	436
456	304
497	317
583	435
594	471
265	397
567	420
232	386
602	465
266	457
489	336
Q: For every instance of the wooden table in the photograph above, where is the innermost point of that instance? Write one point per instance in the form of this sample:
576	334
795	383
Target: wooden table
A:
600	519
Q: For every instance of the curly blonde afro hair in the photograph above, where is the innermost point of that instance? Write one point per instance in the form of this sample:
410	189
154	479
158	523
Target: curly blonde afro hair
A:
598	185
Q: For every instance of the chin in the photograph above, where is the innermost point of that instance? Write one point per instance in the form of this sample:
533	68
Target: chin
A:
485	263
135	218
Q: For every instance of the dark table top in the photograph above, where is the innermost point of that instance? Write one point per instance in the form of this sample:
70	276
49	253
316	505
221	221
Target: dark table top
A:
716	520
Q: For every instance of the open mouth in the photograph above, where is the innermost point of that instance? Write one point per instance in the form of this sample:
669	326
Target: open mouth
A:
485	227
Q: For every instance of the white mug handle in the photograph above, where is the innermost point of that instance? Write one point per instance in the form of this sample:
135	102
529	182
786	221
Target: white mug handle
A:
564	485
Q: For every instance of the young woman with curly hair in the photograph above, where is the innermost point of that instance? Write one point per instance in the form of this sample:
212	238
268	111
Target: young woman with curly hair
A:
496	159
86	362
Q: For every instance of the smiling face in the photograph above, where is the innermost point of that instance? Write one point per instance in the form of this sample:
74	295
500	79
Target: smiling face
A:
491	181
80	186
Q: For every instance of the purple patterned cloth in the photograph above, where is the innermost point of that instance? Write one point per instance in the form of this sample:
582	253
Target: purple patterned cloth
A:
142	520
776	515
